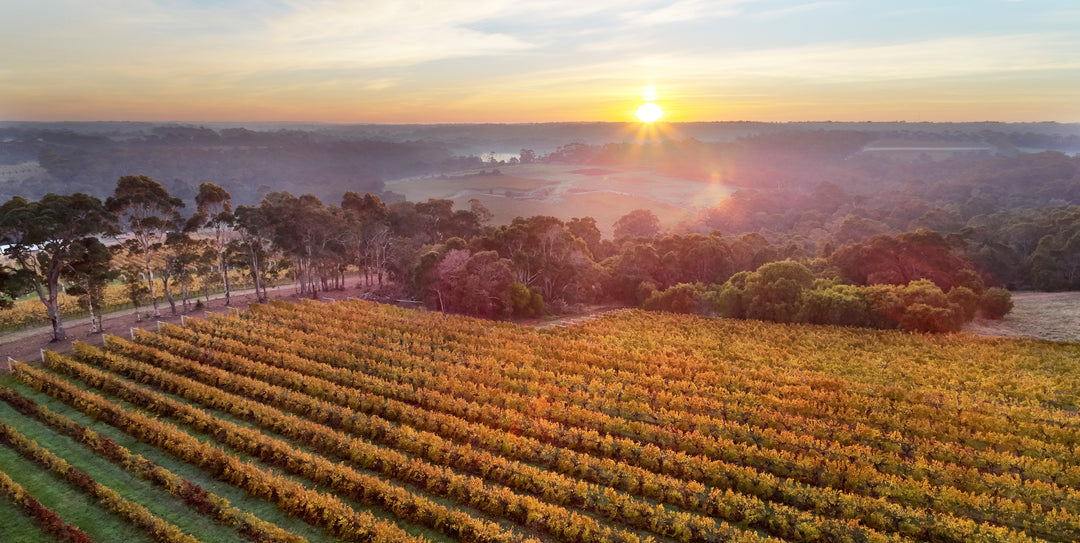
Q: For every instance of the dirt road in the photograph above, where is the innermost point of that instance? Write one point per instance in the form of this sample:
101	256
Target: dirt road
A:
26	345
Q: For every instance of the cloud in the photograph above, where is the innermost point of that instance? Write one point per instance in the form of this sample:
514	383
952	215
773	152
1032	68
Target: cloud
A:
241	37
486	51
796	9
845	62
683	11
387	33
941	57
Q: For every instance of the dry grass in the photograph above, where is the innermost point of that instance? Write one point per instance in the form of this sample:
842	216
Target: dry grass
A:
419	189
565	192
1044	315
606	208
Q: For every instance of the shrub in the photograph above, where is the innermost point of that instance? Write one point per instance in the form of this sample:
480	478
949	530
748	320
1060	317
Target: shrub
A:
843	305
726	300
928	309
772	292
681	298
995	303
967	300
525	301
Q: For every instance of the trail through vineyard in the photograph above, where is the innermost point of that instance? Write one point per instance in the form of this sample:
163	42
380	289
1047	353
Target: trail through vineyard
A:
1042	315
26	345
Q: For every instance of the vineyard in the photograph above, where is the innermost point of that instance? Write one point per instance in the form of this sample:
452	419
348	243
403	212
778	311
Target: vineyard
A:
361	422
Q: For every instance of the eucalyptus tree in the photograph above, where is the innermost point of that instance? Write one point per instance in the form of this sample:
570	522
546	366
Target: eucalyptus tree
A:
214	205
88	272
256	233
13	283
369	235
42	237
182	253
148	211
311	233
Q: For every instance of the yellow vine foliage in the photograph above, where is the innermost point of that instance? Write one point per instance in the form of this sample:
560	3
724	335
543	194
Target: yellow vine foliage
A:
631	426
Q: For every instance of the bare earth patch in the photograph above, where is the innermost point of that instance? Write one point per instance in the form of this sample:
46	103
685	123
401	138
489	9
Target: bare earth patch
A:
1043	315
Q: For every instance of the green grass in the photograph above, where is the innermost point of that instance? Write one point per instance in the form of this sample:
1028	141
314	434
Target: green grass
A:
157	500
16	527
238	498
72	505
378	512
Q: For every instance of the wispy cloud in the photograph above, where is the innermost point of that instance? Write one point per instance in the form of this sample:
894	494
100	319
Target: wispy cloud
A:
460	54
682	11
388	33
942	57
846	62
787	11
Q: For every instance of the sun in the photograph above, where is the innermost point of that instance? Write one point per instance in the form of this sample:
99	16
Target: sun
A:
649	112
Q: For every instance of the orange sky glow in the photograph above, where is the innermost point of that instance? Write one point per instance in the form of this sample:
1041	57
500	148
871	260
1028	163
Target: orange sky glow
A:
549	61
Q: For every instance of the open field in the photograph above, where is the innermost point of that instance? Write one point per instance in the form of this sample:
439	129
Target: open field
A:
364	422
568	191
1043	315
17	172
605	207
922	150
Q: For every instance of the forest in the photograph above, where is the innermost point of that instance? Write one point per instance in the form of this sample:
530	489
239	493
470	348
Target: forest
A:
817	229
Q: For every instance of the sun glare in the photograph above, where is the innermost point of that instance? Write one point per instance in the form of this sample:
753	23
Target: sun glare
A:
649	112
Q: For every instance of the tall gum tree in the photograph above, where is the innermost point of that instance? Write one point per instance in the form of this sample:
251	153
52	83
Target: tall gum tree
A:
215	209
88	272
369	235
256	233
311	233
40	238
148	211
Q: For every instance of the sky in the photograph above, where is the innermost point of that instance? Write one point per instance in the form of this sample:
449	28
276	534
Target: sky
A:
412	61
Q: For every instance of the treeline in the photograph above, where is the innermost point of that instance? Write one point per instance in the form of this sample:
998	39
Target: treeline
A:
330	160
454	260
941	166
249	164
1025	245
1014	216
788	291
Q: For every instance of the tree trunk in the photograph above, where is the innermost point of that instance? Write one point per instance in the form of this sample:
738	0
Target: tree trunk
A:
224	267
259	296
184	292
52	308
59	334
300	276
95	324
153	288
168	295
